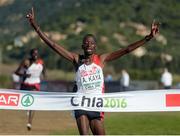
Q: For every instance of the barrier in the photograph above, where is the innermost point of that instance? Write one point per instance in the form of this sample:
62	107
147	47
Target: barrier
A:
131	101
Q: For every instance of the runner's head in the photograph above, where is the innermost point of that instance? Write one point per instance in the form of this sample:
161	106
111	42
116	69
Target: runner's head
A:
89	44
34	54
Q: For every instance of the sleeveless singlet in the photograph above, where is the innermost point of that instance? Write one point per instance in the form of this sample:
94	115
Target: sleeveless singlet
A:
35	70
89	78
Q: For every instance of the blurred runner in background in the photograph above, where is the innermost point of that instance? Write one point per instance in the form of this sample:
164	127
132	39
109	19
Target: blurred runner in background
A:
30	71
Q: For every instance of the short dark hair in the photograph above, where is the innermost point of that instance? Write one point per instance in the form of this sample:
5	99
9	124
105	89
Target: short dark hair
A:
32	50
89	35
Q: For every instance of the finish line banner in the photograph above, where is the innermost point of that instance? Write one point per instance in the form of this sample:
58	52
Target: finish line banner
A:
132	101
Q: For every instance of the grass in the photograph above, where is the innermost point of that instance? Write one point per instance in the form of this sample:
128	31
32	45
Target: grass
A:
161	123
153	123
62	123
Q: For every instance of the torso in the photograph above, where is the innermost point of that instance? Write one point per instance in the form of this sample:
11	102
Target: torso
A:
35	70
89	78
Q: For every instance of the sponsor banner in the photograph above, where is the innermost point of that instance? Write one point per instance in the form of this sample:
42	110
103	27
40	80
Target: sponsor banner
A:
131	101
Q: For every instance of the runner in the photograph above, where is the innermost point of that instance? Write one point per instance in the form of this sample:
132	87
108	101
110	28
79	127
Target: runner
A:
30	71
89	74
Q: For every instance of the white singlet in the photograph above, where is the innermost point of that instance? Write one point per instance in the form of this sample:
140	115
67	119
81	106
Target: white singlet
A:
89	78
35	71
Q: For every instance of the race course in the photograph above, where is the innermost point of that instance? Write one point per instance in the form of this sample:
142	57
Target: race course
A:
13	122
44	123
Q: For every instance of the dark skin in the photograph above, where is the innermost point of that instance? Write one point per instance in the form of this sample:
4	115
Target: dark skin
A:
34	55
89	48
25	64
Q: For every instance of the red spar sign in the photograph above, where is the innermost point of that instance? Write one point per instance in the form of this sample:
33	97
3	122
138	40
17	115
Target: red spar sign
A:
9	99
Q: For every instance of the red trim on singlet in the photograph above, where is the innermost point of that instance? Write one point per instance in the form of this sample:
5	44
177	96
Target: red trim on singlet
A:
40	61
103	89
96	60
102	115
36	85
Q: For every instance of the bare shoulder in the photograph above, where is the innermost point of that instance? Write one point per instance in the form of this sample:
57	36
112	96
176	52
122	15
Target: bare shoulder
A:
40	61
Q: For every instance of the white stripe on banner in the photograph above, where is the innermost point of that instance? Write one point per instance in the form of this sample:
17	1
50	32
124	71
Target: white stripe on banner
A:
132	101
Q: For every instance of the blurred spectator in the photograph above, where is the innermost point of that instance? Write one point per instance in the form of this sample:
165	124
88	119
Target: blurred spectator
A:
108	78
166	79
124	80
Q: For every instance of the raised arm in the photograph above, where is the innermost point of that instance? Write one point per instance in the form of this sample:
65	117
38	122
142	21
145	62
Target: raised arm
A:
115	55
57	48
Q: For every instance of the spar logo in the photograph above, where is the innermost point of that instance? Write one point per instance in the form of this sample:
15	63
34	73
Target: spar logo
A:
27	100
99	102
9	99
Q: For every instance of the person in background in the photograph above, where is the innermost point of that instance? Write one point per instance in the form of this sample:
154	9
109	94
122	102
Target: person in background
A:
125	79
166	79
108	78
30	71
89	71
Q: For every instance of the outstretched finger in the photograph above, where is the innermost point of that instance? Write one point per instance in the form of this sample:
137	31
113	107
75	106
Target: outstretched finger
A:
32	11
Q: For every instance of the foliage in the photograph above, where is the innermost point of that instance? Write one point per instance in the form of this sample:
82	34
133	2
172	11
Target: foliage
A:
5	81
102	18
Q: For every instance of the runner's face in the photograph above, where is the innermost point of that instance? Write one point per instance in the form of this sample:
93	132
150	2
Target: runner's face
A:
89	46
34	55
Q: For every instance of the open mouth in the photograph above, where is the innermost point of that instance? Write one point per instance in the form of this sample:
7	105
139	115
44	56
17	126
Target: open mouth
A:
89	50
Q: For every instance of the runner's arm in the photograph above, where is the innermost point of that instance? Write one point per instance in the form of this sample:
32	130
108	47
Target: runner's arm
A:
57	48
117	54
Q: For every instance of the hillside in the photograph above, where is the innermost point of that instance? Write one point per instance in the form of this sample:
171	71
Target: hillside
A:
115	23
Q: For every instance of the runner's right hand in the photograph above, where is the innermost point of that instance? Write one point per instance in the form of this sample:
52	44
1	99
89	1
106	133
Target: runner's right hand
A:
30	16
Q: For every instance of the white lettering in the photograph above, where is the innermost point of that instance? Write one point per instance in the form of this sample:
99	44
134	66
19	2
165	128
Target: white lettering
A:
2	99
13	99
